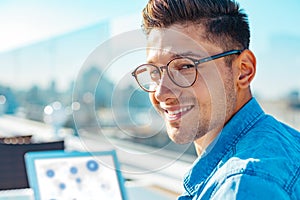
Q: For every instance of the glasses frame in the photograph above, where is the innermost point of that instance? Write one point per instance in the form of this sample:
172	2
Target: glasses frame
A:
195	61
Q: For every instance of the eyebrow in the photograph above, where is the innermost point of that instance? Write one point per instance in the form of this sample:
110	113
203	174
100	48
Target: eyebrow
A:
189	53
198	55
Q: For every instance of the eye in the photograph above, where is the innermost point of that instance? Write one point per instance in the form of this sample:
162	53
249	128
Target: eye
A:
187	66
184	67
154	73
182	64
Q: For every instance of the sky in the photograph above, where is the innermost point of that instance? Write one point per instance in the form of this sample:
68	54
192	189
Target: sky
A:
28	21
275	32
275	39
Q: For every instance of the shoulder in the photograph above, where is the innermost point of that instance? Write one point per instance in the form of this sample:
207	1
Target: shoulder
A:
266	159
253	178
247	186
270	142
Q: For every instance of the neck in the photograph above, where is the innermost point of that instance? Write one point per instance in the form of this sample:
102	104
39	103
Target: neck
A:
202	143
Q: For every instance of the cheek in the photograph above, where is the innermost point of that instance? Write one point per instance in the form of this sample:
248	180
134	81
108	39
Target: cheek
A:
154	102
209	91
213	84
200	90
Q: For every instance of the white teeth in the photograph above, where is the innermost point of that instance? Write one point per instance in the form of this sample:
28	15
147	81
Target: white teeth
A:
175	112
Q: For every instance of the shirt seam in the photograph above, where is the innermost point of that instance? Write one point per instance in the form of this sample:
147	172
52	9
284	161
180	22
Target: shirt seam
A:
290	186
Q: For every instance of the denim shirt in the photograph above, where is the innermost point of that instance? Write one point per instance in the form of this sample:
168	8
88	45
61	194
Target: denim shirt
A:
254	157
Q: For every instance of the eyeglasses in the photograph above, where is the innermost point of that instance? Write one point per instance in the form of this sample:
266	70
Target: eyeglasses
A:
181	70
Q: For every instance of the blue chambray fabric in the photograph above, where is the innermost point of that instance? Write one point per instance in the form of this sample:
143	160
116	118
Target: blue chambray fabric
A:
254	157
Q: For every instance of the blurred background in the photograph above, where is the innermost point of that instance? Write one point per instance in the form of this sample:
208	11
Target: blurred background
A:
46	78
45	46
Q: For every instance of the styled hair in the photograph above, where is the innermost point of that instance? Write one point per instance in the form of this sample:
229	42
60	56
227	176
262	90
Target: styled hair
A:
224	22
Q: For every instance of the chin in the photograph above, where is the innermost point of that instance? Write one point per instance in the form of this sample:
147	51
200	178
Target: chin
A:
179	138
181	141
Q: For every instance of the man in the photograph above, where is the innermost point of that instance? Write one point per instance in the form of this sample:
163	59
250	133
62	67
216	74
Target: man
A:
198	74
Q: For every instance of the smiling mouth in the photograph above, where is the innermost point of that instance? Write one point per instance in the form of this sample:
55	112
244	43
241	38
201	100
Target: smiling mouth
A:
177	114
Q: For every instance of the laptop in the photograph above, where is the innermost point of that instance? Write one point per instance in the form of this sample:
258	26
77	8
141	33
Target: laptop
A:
55	175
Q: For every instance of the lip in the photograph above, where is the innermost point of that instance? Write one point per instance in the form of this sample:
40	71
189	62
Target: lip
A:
176	113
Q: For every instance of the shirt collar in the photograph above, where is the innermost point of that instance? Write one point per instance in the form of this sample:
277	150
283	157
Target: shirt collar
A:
238	126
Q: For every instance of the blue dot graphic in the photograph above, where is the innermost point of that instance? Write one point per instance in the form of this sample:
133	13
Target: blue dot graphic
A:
62	186
78	180
50	173
73	170
92	165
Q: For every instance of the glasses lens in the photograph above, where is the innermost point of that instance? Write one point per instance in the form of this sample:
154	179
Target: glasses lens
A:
182	71
148	77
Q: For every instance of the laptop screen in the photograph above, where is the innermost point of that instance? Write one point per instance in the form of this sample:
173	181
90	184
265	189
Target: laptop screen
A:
74	175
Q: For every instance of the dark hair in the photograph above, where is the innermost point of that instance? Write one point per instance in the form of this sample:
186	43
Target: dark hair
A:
225	23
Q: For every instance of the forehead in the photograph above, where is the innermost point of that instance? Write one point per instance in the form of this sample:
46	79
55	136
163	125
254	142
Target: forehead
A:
177	40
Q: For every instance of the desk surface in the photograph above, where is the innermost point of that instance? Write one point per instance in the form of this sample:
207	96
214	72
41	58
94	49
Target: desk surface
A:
18	194
149	193
133	193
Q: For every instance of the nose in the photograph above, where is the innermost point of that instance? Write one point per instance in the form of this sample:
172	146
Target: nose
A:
166	89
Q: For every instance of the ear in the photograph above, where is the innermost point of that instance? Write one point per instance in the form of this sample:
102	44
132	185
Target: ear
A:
247	69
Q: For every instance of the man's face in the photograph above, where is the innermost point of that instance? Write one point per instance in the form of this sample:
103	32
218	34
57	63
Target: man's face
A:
190	113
